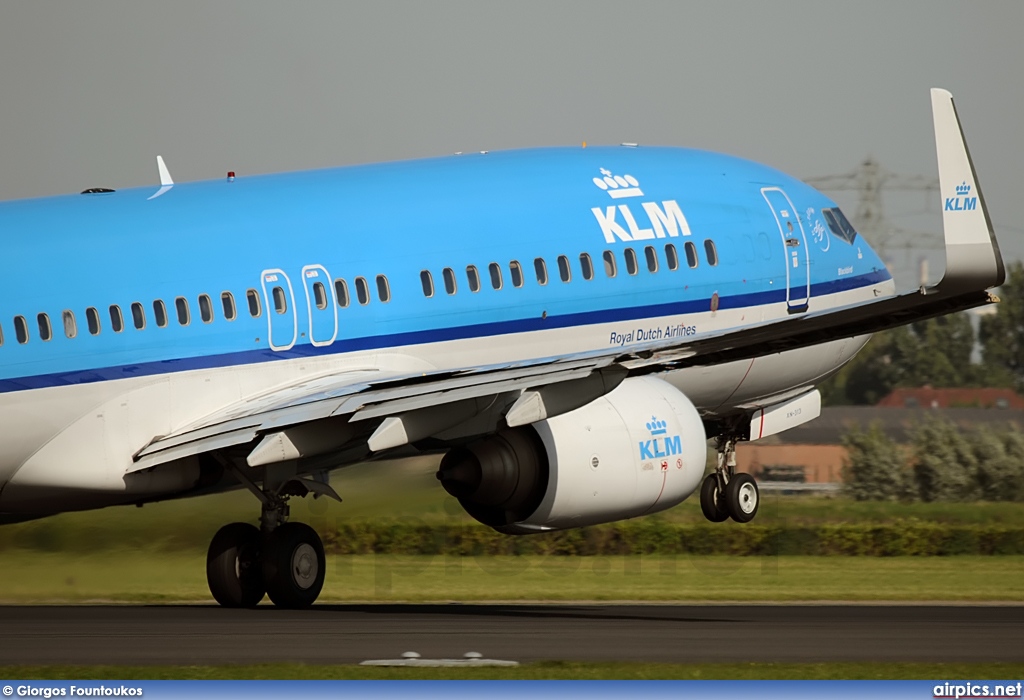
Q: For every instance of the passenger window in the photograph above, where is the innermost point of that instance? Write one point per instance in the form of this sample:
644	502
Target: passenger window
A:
253	299
45	330
280	300
495	270
1	336
710	252
160	313
541	269
320	295
764	246
517	273
428	283
138	315
587	265
609	263
227	301
181	306
631	264
652	258
116	318
341	292
691	254
70	327
563	269
21	329
671	256
449	280
383	289
362	291
92	319
205	308
474	278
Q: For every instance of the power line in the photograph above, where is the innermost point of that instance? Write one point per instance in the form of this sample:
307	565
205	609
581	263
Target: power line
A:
869	179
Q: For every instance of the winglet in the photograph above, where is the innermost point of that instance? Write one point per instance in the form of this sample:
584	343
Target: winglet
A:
165	174
973	261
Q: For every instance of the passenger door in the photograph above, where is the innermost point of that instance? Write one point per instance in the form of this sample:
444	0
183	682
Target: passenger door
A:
794	247
282	323
322	306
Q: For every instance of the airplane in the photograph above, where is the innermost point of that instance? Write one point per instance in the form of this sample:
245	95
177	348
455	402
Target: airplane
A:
569	327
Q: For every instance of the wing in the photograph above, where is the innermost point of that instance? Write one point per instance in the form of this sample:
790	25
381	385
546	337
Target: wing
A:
379	413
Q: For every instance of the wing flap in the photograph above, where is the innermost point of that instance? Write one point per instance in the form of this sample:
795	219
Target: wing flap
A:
317	399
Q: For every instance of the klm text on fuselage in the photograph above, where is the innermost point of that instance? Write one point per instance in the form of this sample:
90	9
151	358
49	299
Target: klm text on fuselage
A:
664	219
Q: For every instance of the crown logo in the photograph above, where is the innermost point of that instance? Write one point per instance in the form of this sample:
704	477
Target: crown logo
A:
963	189
657	427
618	186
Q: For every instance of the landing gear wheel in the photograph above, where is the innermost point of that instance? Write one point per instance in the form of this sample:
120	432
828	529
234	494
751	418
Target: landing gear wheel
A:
711	501
293	565
233	566
742	498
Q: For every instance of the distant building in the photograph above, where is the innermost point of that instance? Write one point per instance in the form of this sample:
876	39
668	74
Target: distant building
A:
805	464
813	452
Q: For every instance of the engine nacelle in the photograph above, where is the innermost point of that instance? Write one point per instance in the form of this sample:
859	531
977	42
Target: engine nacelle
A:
638	450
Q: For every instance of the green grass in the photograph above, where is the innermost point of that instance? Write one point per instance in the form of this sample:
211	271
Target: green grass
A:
150	576
408	489
537	671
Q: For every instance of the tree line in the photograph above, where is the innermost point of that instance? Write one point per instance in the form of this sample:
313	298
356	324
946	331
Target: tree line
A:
942	462
938	352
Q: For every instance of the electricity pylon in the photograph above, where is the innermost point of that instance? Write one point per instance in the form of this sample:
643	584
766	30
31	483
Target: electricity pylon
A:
868	180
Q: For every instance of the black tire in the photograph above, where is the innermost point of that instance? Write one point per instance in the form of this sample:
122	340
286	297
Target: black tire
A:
233	569
711	500
742	498
293	565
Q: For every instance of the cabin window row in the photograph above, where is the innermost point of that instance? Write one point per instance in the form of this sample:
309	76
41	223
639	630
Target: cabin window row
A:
181	310
495	272
362	292
137	316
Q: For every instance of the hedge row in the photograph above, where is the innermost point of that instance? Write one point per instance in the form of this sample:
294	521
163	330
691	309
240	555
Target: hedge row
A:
887	540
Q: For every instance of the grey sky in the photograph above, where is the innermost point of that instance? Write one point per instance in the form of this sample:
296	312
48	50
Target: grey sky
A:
90	92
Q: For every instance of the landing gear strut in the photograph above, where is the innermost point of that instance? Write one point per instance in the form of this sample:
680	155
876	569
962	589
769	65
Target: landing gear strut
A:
282	559
726	493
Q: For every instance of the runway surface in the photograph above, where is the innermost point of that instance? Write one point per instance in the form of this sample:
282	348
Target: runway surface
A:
666	633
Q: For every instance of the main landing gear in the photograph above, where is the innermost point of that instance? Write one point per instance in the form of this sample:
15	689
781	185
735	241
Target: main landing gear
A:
280	559
726	493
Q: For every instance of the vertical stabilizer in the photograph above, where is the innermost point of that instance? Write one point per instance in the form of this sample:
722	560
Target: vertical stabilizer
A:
166	183
165	174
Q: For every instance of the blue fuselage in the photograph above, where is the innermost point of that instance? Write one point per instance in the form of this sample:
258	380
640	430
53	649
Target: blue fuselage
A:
387	225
